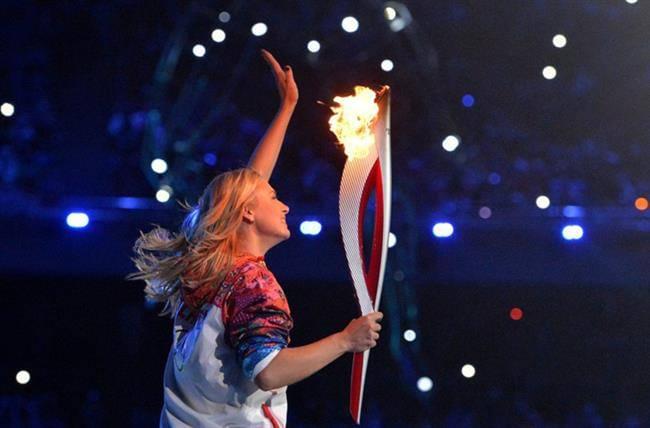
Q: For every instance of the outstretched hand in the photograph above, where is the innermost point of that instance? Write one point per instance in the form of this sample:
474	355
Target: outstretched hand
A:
287	87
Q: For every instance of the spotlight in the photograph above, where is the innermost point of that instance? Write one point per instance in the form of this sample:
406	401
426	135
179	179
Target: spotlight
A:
387	65
198	50
450	143
559	41
218	35
7	109
259	29
425	384
549	72
77	220
313	46
350	24
159	166
442	230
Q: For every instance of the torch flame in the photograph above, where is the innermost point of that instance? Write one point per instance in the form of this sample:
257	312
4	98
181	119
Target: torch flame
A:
353	120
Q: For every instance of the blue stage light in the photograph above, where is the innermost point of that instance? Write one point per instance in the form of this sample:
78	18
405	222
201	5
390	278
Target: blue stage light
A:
210	159
442	230
468	100
310	227
77	220
572	232
573	211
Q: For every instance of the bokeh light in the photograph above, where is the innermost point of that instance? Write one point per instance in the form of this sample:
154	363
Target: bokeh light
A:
542	202
559	41
392	239
198	50
549	72
641	204
350	24
387	65
443	230
310	227
468	371
7	109
450	143
313	46
516	314
159	166
468	100
23	377
259	29
77	220
425	384
218	35
409	335
572	232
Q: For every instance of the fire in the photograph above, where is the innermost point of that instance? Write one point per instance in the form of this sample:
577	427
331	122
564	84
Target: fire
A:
353	120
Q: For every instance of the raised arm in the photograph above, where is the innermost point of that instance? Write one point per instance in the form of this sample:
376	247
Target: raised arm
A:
266	153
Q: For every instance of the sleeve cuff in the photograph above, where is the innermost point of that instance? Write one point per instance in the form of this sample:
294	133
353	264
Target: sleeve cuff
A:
265	362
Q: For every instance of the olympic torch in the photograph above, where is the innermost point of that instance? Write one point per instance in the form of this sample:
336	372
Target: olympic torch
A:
362	125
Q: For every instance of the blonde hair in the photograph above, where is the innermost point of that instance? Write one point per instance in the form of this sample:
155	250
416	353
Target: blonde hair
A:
200	254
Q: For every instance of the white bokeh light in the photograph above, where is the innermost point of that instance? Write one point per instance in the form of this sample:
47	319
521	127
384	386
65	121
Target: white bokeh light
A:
485	213
350	24
542	202
164	194
7	109
77	220
310	227
631	1
159	166
218	35
572	232
468	371
23	377
442	230
409	335
390	13
387	65
259	29
559	41
392	239
450	143
198	50
549	72
425	384
313	46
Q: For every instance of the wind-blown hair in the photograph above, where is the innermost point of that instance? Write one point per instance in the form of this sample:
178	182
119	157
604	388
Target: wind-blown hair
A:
200	254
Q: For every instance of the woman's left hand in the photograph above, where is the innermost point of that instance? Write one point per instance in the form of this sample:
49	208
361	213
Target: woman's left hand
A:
287	87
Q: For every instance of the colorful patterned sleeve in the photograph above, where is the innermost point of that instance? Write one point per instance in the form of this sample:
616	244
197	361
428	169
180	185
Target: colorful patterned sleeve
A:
257	319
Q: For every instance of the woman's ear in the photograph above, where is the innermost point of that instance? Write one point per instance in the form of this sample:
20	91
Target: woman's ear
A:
248	215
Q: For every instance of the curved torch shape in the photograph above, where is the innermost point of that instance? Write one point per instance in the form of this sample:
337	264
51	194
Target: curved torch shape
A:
367	168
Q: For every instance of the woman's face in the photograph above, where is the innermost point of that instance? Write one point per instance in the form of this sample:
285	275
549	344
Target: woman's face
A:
270	214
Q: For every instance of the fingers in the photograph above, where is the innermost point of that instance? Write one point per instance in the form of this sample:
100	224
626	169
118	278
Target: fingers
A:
275	65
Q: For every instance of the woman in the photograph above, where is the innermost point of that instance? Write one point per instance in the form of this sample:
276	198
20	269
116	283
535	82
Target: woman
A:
230	363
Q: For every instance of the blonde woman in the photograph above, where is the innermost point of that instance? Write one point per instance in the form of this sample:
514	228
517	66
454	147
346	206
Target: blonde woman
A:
230	364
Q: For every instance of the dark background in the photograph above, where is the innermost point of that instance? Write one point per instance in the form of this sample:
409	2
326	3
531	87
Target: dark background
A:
102	88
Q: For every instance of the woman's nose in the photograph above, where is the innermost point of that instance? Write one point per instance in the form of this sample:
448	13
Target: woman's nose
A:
286	209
